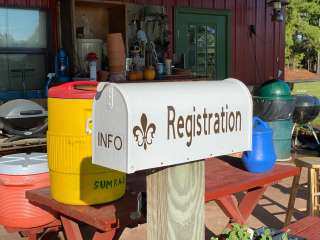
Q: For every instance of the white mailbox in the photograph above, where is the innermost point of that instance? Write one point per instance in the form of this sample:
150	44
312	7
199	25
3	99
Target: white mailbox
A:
139	126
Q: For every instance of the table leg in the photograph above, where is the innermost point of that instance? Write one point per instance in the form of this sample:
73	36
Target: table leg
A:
104	235
32	233
32	236
250	200
292	199
317	192
229	207
241	212
71	229
311	178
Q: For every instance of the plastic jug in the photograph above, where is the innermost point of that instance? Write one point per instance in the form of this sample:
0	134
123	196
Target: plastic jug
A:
262	157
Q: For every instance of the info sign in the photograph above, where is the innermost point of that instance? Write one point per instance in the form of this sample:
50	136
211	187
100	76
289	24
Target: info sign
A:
139	126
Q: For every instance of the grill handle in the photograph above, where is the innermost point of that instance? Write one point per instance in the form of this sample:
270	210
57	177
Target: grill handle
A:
30	112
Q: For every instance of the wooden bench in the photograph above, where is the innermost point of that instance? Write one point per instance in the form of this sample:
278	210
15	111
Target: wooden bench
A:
308	228
224	178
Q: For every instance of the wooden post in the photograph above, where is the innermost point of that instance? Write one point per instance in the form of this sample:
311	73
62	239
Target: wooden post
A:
318	60
292	199
175	202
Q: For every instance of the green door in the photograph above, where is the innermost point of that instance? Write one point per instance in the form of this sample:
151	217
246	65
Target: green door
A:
202	37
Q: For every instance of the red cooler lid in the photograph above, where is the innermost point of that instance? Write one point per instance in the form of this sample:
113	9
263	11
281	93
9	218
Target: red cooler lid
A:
74	90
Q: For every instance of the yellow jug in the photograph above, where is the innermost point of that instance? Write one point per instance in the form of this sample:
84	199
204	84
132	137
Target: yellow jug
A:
74	179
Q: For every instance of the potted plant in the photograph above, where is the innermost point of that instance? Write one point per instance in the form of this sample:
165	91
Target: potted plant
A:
242	232
236	232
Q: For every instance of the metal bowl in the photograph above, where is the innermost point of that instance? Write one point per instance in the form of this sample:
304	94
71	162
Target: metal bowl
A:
273	109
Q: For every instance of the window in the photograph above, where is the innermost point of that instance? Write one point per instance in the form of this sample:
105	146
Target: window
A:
202	37
201	51
23	52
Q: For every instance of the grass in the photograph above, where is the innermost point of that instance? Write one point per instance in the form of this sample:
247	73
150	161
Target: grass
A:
310	88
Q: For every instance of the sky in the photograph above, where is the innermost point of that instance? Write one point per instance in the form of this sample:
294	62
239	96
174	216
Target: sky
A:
22	24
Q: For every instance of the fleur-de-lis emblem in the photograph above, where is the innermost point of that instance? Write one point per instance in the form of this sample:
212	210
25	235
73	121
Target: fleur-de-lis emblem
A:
143	136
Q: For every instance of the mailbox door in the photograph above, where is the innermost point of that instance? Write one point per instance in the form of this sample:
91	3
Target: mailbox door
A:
110	128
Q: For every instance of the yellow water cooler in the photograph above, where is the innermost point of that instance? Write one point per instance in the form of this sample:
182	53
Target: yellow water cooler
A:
73	178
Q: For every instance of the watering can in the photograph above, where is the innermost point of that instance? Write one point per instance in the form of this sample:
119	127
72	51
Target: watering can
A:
262	156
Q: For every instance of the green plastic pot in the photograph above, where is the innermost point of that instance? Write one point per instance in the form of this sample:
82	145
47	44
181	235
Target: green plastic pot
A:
282	130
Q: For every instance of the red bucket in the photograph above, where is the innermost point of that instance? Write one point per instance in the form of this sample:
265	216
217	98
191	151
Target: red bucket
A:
18	174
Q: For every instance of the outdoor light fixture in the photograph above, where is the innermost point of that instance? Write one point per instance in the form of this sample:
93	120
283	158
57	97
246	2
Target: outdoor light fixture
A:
277	14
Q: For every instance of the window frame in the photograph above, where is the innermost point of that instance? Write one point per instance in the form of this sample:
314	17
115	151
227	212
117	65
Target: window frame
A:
36	93
228	37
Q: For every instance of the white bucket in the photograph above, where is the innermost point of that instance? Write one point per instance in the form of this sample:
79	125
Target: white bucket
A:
85	46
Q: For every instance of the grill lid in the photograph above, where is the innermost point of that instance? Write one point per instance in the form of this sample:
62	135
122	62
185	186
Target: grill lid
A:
306	109
306	100
275	89
24	164
21	108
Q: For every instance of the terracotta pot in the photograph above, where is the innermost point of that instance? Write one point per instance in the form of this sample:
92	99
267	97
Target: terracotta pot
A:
103	76
116	52
115	42
117	62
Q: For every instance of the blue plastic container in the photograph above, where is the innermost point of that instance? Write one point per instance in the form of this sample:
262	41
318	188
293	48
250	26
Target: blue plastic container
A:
282	130
262	157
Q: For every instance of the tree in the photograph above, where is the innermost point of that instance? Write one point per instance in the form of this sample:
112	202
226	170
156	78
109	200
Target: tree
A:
302	33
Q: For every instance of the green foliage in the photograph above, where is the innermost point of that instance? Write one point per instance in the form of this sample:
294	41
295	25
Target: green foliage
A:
302	30
285	236
241	232
266	235
236	232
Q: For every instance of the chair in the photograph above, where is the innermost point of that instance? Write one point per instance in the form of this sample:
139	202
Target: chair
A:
313	166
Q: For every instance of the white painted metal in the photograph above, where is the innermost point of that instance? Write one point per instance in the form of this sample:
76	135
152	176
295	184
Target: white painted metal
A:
24	164
140	126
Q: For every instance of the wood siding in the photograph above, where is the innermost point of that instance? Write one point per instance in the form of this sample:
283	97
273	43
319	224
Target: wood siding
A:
255	59
43	4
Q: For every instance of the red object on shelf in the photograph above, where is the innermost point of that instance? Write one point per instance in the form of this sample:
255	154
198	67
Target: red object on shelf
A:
74	90
92	56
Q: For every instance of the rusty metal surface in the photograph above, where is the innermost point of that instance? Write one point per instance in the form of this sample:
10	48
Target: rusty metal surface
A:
23	145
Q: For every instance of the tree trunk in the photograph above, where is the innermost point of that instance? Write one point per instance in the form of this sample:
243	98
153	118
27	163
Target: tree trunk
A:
318	63
318	60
